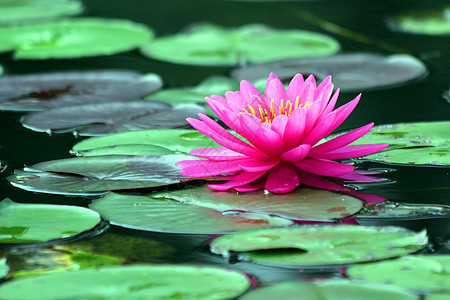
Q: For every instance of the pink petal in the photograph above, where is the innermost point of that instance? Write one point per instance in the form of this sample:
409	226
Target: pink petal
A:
370	199
311	79
344	111
222	137
323	167
331	104
261	136
239	180
352	151
255	165
271	77
282	179
307	92
321	130
340	141
356	176
325	83
216	153
319	182
206	168
295	86
248	90
275	91
294	128
296	154
254	186
279	124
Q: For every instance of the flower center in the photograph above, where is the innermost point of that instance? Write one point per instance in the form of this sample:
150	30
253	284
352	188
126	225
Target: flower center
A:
267	116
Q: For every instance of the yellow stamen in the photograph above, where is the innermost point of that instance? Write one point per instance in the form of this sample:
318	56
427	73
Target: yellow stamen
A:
307	104
251	110
296	102
261	113
281	108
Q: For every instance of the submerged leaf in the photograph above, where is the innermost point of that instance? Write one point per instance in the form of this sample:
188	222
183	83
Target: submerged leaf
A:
131	282
47	90
97	174
324	245
20	11
165	215
179	141
408	272
106	118
423	143
350	71
29	223
329	290
434	22
207	44
405	211
73	38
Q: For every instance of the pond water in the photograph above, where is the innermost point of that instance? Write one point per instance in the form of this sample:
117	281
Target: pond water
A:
357	26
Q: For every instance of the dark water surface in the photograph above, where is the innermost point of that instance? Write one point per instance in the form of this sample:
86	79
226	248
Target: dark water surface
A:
420	100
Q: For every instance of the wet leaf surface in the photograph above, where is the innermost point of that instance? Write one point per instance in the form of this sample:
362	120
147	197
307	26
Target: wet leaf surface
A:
179	141
97	174
424	143
408	272
350	71
21	11
301	204
405	211
106	118
30	223
47	90
4	269
207	44
328	290
319	245
131	282
73	38
165	215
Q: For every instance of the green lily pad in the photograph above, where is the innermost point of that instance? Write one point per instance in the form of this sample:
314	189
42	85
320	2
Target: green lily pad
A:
4	268
328	290
97	174
434	22
20	11
438	297
423	143
325	245
49	90
301	204
350	71
113	117
29	223
402	211
131	282
215	85
207	44
73	38
179	141
149	214
134	149
424	274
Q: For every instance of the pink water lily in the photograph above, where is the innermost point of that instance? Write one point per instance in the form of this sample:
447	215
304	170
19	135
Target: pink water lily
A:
283	132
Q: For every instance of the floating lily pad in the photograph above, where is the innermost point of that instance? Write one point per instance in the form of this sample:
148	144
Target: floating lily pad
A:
131	282
134	149
47	90
19	11
29	223
423	143
207	44
213	85
435	22
179	141
106	118
402	211
4	269
325	245
73	38
161	215
353	71
328	290
97	174
301	204
424	274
